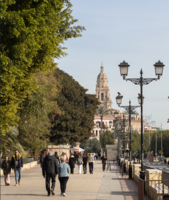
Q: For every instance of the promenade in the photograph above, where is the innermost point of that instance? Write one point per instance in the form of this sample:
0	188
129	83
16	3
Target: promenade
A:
99	185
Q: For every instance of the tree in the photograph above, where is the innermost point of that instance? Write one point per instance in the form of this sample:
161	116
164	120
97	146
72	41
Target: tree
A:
165	142
109	138
9	142
36	112
32	32
76	120
102	111
92	146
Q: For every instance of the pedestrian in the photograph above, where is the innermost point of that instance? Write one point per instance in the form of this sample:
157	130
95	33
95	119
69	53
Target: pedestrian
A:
6	167
50	171
66	158
91	162
85	159
56	156
72	162
104	159
41	159
16	165
99	155
63	175
79	163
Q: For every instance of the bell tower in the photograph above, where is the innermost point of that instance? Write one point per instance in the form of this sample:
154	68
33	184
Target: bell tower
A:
102	89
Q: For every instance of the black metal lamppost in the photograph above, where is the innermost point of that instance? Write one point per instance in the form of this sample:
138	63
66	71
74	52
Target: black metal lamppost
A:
130	110
141	81
116	116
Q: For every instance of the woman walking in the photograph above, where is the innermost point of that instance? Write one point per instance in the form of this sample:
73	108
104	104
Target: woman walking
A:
72	161
85	159
63	175
6	167
79	163
104	159
91	162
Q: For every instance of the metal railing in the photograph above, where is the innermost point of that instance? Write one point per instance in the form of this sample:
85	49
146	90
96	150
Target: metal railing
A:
153	189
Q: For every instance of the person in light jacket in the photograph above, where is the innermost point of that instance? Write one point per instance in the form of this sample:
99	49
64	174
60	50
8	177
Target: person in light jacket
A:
91	162
6	167
63	175
79	163
72	162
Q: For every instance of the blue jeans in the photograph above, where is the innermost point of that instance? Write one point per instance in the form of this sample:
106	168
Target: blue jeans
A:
17	171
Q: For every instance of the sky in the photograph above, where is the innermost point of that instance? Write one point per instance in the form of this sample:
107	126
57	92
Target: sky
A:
130	30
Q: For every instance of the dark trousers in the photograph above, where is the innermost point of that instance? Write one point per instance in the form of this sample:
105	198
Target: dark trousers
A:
72	170
91	167
48	177
63	182
104	166
85	167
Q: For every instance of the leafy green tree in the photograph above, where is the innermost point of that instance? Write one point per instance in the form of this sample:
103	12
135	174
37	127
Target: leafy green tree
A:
75	122
92	146
32	32
109	138
165	142
36	112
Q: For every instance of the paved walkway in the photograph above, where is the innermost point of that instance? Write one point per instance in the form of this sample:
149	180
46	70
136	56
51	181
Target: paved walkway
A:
99	185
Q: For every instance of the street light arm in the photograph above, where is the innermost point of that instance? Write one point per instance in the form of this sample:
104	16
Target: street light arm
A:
145	81
127	108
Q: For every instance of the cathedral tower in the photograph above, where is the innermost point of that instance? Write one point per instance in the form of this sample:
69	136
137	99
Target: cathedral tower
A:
102	89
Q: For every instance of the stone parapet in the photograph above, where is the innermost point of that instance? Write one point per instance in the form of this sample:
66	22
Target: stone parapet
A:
152	174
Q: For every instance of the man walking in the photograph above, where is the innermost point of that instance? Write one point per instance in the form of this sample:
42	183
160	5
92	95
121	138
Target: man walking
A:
16	165
50	171
104	159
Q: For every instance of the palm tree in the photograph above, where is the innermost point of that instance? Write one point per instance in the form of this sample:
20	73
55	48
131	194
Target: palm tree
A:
9	142
102	111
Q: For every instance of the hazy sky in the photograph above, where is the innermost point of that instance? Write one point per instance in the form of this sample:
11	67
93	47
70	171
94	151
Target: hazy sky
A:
130	30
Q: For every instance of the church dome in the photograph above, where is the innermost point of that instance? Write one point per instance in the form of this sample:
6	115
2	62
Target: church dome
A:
102	76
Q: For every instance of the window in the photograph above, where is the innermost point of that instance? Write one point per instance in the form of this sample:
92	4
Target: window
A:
102	96
96	133
98	92
106	96
98	96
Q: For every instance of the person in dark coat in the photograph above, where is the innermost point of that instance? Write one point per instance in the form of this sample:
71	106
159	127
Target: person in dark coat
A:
16	165
85	159
6	167
41	158
104	159
72	162
50	171
56	156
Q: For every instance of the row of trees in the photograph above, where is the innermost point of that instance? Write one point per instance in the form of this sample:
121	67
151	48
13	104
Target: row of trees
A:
155	141
40	103
32	33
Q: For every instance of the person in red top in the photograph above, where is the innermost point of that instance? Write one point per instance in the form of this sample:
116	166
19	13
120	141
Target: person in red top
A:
104	159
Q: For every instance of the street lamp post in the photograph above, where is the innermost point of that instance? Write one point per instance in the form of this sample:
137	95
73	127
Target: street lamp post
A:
130	110
141	81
